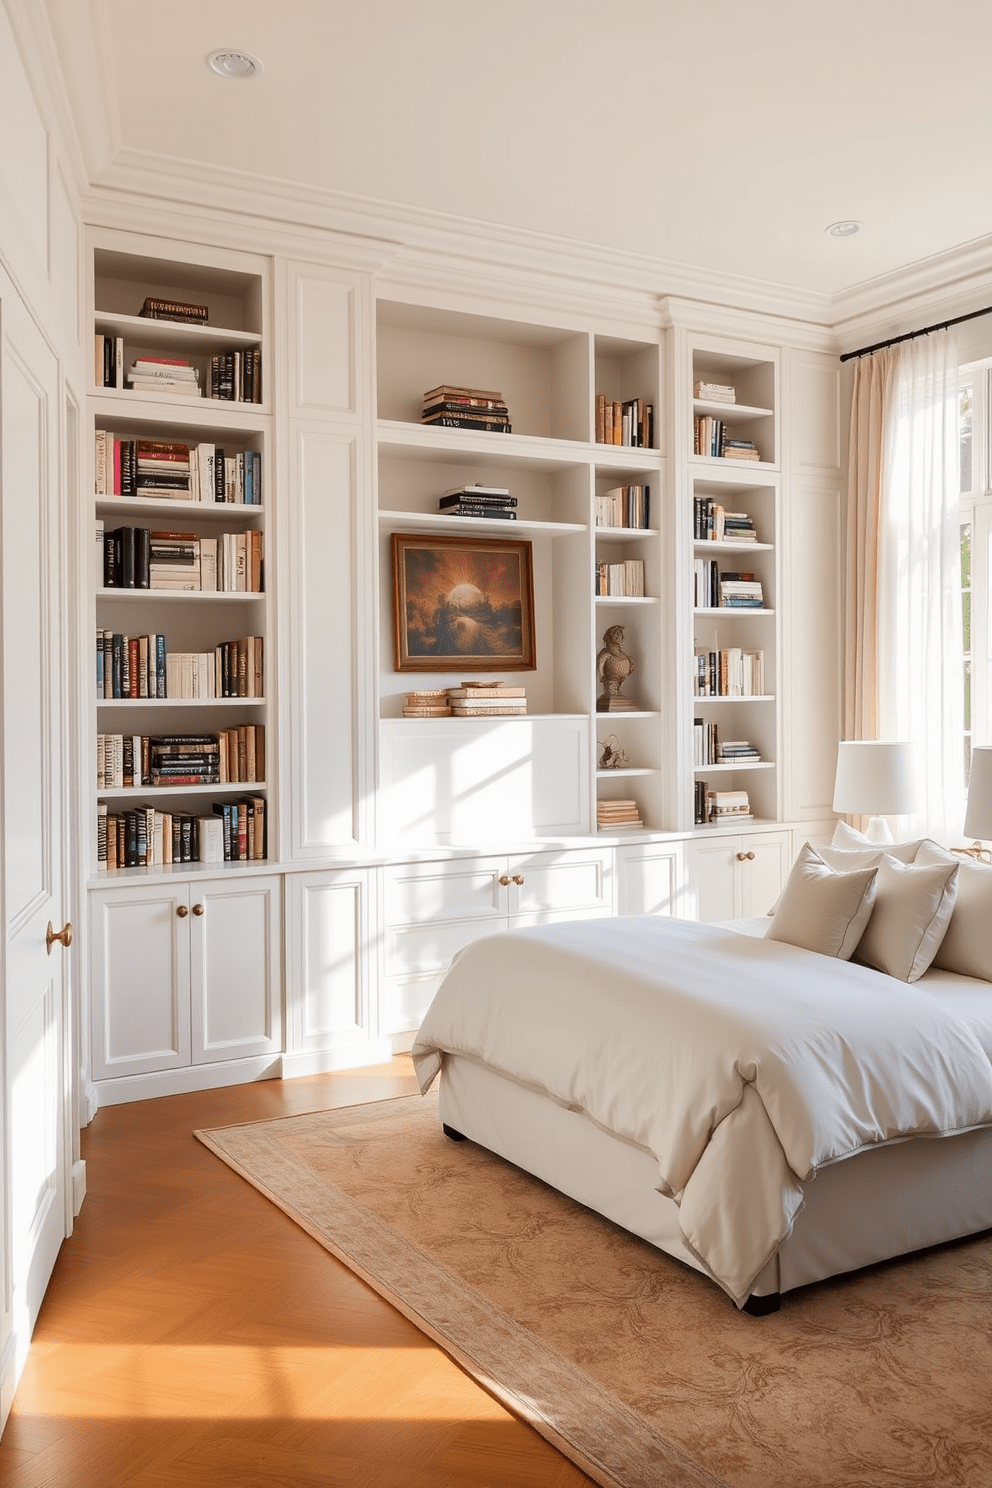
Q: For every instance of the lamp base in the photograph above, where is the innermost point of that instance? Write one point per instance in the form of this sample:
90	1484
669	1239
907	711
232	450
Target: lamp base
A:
878	830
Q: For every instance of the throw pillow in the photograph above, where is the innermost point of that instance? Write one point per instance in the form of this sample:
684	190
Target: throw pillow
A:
967	944
821	910
868	855
912	909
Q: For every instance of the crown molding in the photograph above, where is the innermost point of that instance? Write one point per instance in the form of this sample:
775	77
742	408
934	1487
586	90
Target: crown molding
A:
133	175
937	288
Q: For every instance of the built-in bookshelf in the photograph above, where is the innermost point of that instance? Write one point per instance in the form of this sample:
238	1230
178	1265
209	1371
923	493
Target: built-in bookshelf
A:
549	476
735	516
180	465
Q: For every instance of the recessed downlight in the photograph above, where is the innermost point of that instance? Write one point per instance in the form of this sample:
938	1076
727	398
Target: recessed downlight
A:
845	229
228	63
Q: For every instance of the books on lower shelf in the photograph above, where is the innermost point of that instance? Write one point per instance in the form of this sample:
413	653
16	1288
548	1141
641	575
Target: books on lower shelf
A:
139	558
629	422
474	500
170	470
142	667
730	672
709	749
229	757
487	700
710	437
164	375
146	837
450	406
731	808
616	815
624	506
624	580
730	589
430	702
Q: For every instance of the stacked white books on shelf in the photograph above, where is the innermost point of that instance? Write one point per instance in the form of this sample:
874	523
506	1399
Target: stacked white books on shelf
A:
620	815
487	700
728	806
714	392
164	375
428	702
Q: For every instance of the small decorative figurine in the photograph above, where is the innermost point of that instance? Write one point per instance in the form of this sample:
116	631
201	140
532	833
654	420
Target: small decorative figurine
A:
613	757
613	667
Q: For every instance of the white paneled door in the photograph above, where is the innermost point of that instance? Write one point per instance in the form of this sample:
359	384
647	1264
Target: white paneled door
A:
36	967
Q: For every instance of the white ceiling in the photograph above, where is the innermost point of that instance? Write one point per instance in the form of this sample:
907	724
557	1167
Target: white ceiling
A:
726	136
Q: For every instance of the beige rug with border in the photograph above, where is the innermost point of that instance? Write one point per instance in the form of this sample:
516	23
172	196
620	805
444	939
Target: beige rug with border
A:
634	1366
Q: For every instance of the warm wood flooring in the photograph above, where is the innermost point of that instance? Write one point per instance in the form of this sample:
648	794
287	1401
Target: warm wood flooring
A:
193	1335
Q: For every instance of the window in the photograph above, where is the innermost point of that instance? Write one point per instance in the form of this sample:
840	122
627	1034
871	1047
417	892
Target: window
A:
976	540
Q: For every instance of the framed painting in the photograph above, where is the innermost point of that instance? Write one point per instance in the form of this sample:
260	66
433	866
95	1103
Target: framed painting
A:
463	604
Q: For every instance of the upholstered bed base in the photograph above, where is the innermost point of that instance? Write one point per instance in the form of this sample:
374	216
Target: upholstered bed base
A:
880	1204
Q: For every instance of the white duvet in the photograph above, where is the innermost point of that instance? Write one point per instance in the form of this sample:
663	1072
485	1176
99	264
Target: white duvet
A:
742	1065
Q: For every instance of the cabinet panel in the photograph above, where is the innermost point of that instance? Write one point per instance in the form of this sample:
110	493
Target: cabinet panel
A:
418	892
329	935
714	880
417	958
325	310
561	884
734	877
140	982
235	959
761	877
650	880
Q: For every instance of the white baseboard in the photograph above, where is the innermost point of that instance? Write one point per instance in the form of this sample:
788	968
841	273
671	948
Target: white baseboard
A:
78	1186
192	1077
8	1378
325	1061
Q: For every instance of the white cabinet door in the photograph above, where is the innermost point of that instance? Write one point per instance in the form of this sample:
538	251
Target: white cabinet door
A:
761	877
714	877
139	980
735	877
651	879
547	886
235	955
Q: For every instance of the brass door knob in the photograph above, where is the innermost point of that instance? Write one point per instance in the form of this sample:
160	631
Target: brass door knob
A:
504	879
518	878
63	936
742	857
198	909
750	857
182	911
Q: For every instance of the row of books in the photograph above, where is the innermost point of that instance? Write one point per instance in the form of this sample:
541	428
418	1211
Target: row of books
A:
473	700
621	580
144	837
709	749
714	392
476	500
630	422
730	590
232	376
732	672
624	506
728	807
230	757
157	308
138	558
713	523
452	407
143	667
711	436
173	471
618	815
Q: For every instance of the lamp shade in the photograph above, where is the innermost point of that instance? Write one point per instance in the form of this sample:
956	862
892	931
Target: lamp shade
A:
978	819
874	778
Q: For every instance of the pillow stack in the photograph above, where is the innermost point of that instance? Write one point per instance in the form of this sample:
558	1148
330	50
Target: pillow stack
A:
889	907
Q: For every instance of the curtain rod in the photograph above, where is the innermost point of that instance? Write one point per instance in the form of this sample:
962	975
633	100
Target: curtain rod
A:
942	325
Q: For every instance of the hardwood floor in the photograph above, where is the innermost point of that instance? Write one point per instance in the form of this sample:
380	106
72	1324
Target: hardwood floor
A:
193	1335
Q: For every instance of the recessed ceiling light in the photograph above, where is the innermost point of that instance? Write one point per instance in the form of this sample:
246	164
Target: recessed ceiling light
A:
232	64
845	229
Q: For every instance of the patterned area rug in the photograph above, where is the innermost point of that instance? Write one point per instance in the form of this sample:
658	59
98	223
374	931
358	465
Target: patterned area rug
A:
638	1369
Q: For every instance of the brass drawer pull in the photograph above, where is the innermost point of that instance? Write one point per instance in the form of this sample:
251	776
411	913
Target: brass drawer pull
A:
63	936
518	878
504	879
198	909
182	911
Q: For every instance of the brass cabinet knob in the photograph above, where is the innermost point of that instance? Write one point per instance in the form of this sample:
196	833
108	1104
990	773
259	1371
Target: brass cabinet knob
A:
182	911
198	909
63	936
504	879
518	878
742	857
750	857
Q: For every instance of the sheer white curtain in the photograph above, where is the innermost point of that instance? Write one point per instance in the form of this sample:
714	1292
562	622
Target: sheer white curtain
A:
920	667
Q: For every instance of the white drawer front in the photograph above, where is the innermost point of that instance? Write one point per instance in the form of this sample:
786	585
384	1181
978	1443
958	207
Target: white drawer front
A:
419	892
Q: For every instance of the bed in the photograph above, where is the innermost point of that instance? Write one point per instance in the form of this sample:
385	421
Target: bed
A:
766	1114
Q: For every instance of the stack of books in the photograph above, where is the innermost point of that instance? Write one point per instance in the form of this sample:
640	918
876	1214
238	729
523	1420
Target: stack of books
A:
740	591
174	560
475	500
161	468
158	309
487	700
714	392
737	752
184	759
738	527
711	437
236	376
164	375
730	673
630	423
624	506
431	702
711	522
612	816
739	449
623	580
728	806
451	407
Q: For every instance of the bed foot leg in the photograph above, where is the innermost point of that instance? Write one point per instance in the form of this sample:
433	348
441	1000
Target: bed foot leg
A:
762	1306
449	1131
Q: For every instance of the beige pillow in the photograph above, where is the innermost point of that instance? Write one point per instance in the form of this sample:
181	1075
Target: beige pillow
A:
910	916
821	910
967	944
868	855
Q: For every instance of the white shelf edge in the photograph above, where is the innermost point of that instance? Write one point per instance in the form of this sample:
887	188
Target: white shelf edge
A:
627	770
451	719
743	697
732	610
440	521
130	702
704	545
627	599
163	792
730	413
152	328
727	769
107	504
626	532
197	596
421	440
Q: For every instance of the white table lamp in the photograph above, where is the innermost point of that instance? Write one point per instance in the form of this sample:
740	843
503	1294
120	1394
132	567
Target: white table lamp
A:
978	818
874	779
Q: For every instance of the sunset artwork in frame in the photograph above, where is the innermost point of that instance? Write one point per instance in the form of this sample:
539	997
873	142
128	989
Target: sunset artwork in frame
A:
463	604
